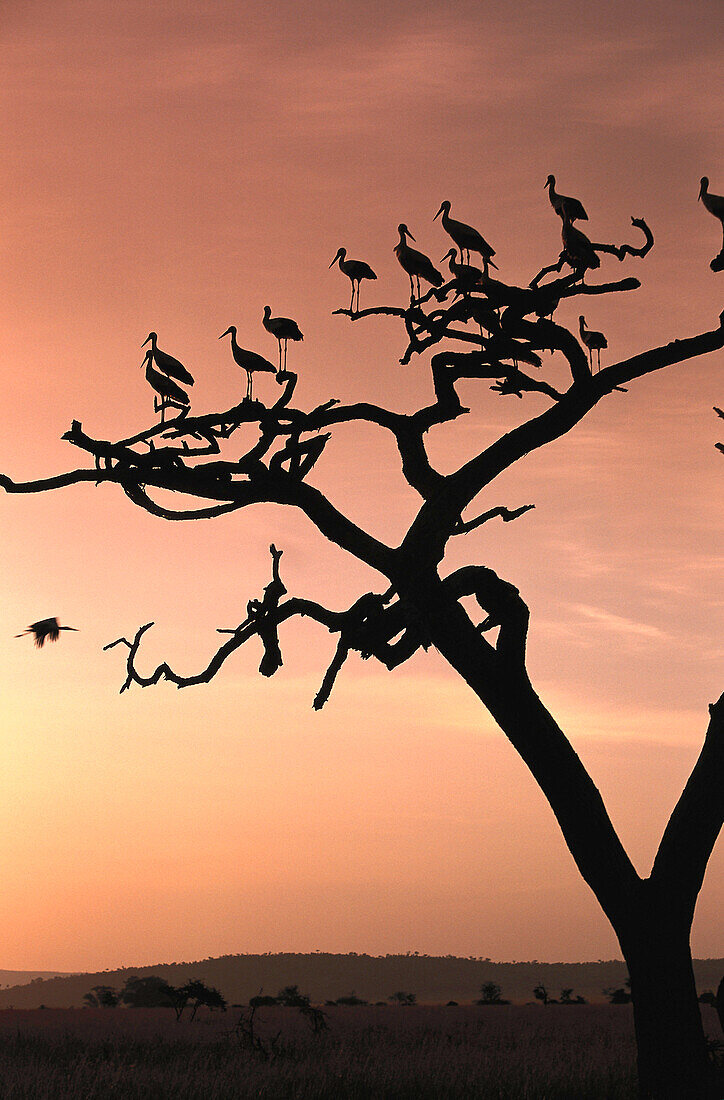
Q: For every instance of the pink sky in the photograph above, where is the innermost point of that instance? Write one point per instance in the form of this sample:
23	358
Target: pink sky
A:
176	167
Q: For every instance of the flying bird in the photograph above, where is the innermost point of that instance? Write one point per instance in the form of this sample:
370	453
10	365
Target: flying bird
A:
165	387
594	341
565	206
416	264
283	328
713	203
45	629
166	363
355	270
465	237
247	360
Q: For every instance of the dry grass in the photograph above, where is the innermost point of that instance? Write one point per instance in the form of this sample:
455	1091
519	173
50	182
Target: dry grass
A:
420	1053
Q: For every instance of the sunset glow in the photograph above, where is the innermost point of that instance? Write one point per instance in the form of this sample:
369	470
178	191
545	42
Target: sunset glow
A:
176	167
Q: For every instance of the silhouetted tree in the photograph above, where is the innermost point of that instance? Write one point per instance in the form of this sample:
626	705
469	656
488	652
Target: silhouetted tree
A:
617	996
541	994
490	332
351	1000
149	992
567	998
491	994
196	993
402	998
101	996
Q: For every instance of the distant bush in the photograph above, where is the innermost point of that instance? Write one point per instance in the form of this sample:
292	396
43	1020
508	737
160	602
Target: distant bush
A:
402	998
490	994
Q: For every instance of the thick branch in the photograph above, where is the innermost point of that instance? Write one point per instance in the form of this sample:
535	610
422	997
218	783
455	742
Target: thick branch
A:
696	822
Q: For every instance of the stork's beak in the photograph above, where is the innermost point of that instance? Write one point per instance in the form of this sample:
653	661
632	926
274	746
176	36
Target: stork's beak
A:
437	215
146	357
334	260
409	234
225	334
701	191
146	340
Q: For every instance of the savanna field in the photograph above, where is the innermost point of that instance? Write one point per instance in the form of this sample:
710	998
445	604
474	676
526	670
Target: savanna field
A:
418	1052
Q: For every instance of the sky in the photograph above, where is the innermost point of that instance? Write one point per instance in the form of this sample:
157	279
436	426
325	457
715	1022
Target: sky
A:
176	167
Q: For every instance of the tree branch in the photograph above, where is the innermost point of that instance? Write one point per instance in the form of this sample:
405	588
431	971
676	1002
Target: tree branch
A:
696	822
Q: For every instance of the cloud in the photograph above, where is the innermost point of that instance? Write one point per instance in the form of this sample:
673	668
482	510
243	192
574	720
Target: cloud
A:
620	625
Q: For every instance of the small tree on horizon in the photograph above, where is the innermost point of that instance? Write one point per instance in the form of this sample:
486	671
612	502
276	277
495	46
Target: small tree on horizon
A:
491	994
485	333
402	998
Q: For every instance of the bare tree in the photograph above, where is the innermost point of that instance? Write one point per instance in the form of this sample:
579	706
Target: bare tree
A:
492	332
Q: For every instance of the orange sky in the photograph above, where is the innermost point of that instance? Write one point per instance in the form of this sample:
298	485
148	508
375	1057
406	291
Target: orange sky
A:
177	166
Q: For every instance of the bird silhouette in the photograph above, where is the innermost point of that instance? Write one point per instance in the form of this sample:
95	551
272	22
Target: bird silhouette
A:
594	341
416	264
579	252
468	277
170	393
715	205
565	206
166	363
465	237
247	360
45	629
355	270
283	328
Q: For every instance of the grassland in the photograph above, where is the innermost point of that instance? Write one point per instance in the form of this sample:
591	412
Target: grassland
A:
368	1053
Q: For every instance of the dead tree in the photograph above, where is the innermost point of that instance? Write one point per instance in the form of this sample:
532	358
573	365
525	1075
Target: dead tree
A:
499	330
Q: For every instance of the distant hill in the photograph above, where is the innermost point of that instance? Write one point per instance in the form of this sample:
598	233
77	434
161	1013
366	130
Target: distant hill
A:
21	977
435	980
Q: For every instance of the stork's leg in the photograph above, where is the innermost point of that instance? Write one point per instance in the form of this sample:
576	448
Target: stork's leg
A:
248	385
351	301
279	341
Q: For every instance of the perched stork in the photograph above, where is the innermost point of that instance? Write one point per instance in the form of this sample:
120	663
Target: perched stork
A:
416	264
579	252
166	363
594	341
467	276
565	206
247	360
45	629
355	270
714	204
283	328
465	237
165	387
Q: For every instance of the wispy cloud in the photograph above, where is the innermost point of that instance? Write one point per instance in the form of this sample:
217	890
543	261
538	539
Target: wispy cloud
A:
620	625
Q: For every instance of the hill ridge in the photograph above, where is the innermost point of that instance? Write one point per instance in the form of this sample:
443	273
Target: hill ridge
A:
435	979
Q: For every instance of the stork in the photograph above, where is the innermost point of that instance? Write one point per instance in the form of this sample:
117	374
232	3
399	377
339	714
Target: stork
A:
565	206
578	250
416	264
714	204
247	360
355	270
45	629
465	237
166	362
165	387
594	341
467	276
283	328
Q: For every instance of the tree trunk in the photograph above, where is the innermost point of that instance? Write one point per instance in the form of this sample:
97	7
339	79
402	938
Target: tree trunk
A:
673	1061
